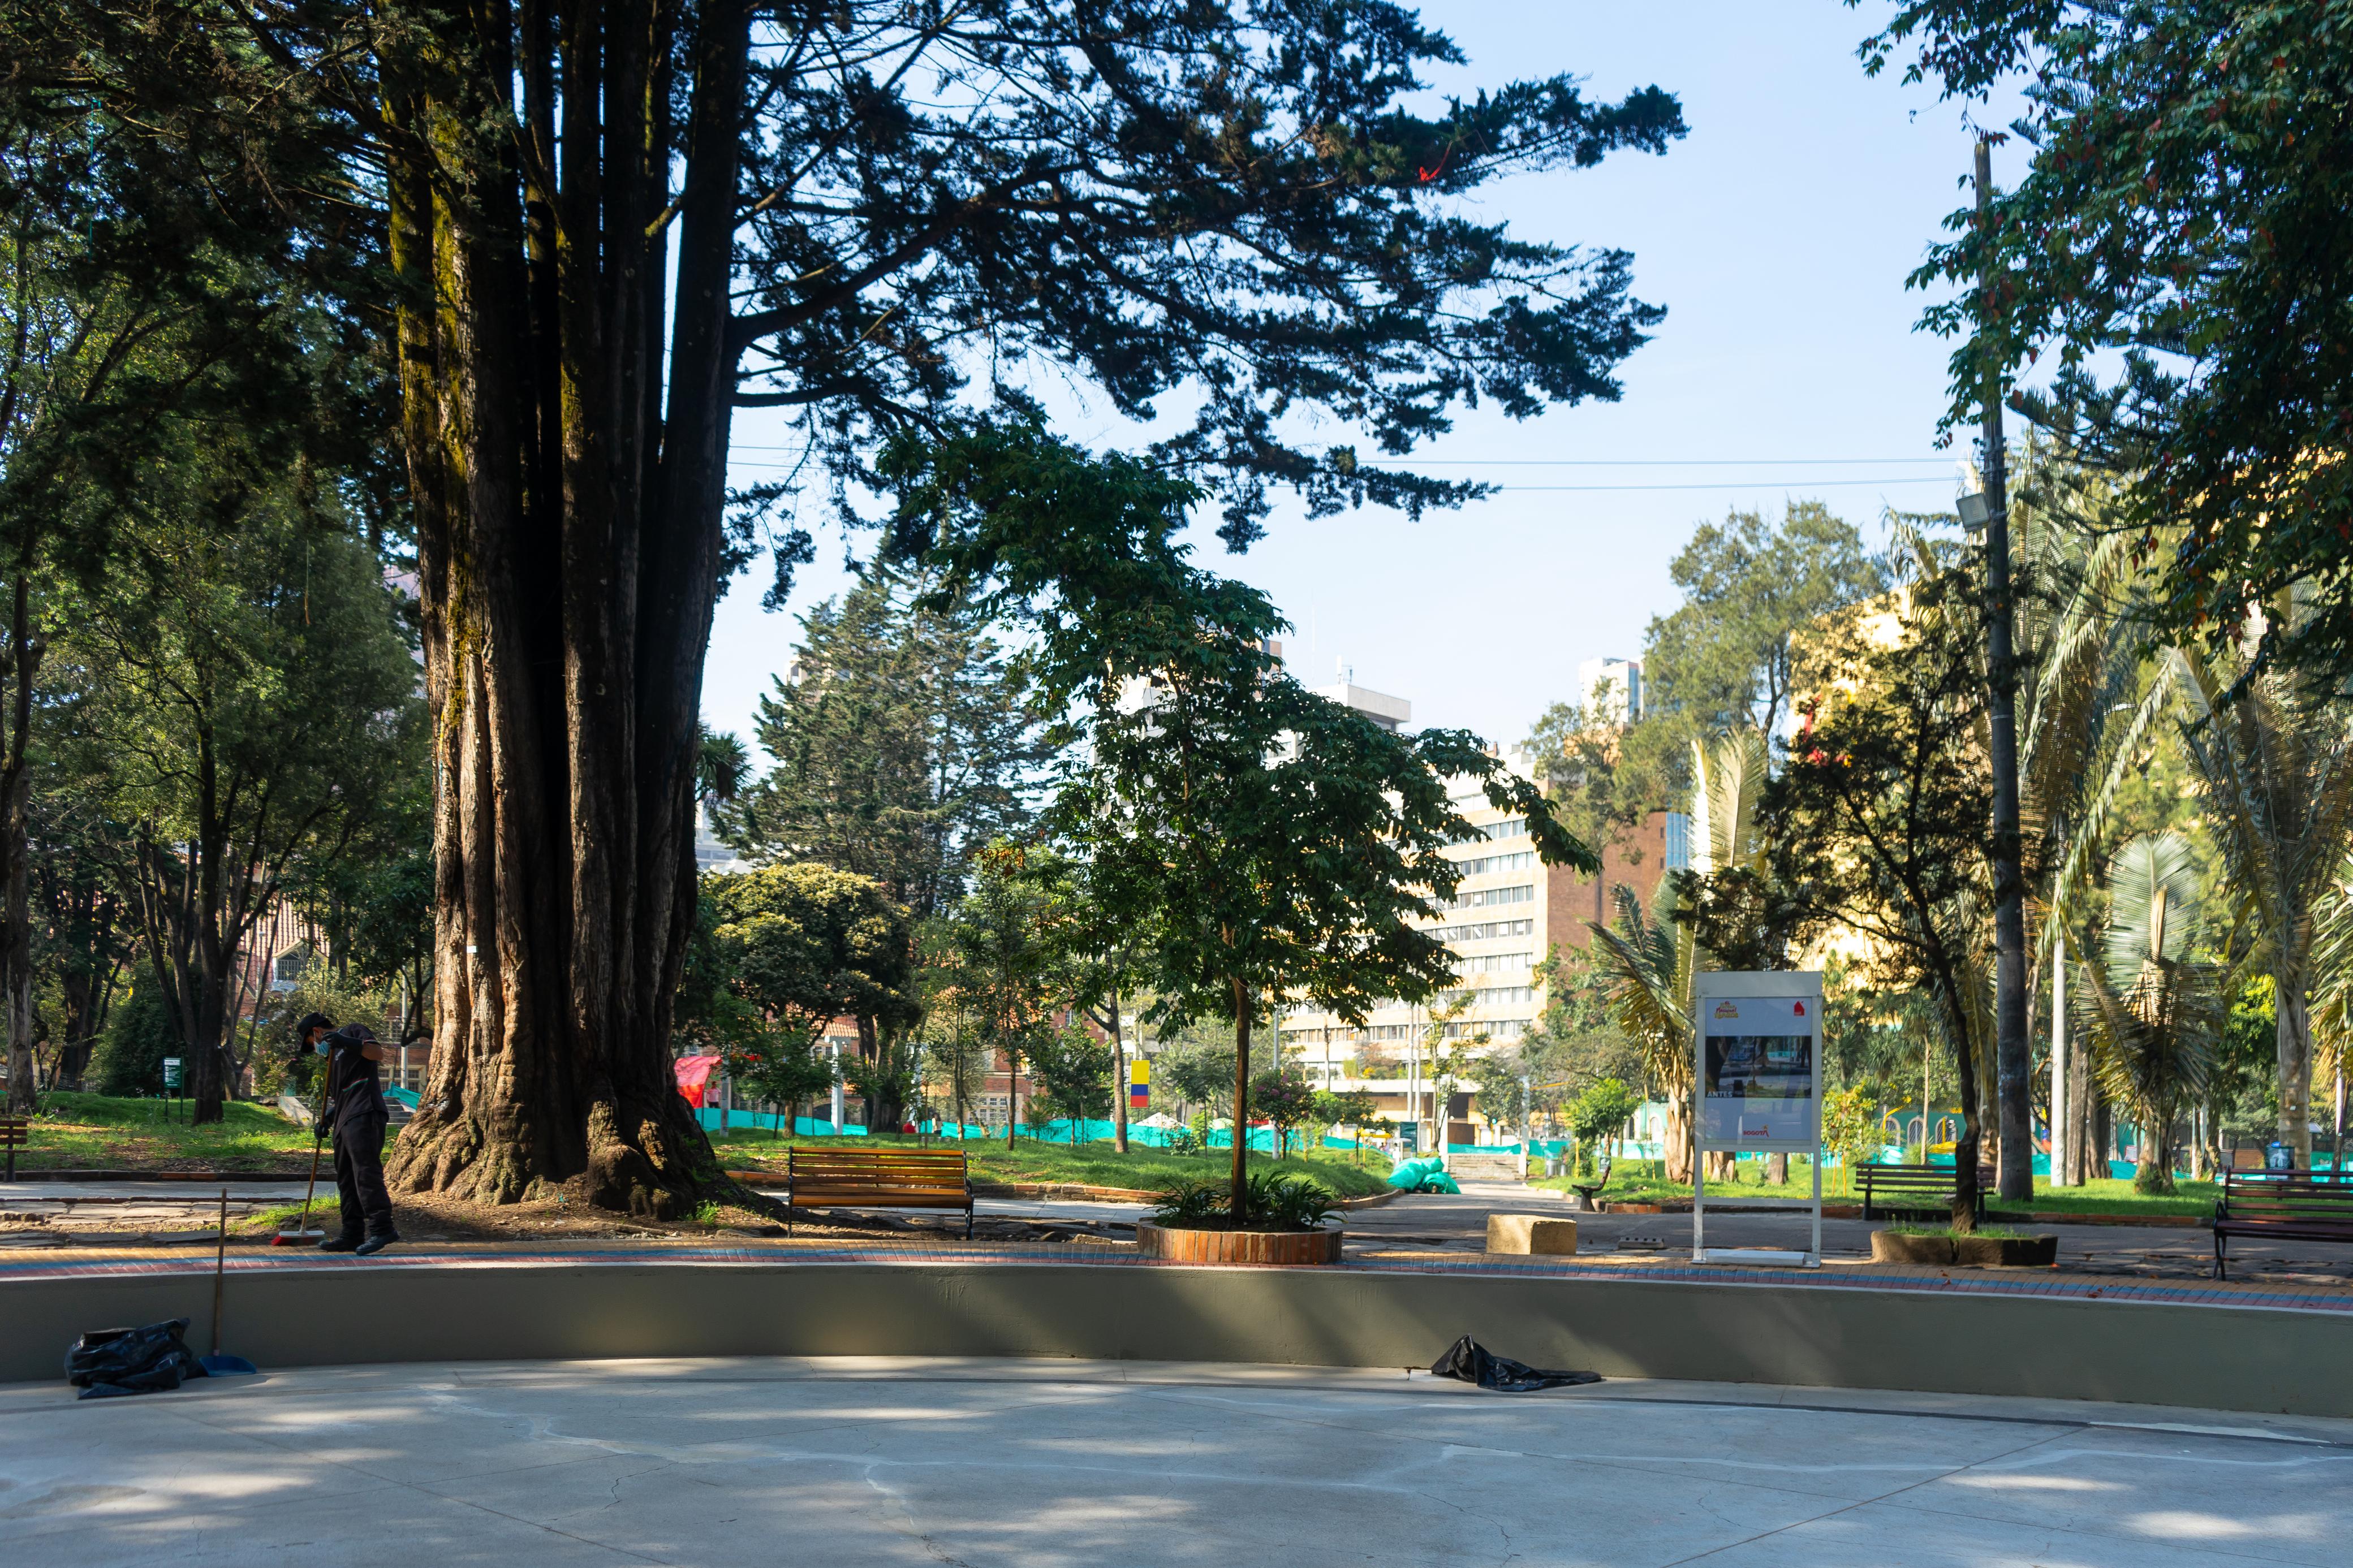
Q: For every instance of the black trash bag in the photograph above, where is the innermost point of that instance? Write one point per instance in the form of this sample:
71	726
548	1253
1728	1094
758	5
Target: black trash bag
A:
107	1364
1472	1362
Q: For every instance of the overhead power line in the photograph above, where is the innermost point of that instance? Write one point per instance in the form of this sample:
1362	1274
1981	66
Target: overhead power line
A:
1584	462
1781	482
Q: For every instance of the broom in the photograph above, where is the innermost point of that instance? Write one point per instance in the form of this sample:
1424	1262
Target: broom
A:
218	1364
303	1235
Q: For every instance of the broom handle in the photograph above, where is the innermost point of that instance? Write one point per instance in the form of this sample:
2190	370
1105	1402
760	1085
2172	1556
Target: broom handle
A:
221	1261
304	1224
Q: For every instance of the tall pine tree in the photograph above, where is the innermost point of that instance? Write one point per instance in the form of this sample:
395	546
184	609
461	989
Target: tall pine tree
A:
903	742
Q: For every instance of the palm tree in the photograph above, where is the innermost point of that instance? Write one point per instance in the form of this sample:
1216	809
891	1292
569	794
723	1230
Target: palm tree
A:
2274	763
2090	703
2148	1008
1650	963
2332	997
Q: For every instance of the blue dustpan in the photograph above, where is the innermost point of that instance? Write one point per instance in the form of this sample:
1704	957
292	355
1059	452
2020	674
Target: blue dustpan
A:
229	1366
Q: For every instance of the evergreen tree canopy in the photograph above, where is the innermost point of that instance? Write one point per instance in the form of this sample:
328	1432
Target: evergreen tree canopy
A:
904	743
602	230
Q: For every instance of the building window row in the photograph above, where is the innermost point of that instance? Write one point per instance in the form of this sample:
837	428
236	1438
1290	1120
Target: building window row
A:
1491	962
1498	997
1509	827
1487	897
1485	930
1519	860
1498	1028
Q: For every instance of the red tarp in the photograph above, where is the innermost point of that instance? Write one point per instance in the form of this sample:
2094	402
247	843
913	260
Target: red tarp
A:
694	1073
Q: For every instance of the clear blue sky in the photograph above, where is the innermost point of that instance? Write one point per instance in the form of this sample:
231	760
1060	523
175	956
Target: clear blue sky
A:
1778	235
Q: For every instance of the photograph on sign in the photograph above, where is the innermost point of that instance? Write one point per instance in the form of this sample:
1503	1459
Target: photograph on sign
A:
1758	1083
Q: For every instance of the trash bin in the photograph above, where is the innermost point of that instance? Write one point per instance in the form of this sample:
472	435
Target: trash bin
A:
2278	1156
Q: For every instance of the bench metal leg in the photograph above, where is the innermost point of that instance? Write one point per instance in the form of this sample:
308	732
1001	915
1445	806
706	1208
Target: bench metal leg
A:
2220	1268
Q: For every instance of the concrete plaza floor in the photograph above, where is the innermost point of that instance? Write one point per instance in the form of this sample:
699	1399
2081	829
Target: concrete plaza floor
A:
988	1463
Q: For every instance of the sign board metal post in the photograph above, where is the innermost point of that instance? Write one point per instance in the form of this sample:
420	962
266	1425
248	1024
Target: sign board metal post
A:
1756	1086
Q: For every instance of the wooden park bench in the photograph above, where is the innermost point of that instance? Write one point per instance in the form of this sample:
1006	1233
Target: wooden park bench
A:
879	1179
2294	1205
1915	1189
16	1131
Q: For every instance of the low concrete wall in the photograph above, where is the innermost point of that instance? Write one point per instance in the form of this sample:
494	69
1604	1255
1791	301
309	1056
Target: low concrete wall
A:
2221	1358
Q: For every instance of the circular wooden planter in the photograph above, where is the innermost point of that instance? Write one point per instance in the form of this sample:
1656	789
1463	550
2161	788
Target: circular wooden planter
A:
2008	1252
1981	1251
1238	1246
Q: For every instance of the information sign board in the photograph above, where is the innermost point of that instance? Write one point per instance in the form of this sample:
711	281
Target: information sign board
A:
171	1072
1756	1087
1757	1072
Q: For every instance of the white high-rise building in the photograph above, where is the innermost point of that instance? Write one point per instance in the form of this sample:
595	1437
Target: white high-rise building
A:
1611	689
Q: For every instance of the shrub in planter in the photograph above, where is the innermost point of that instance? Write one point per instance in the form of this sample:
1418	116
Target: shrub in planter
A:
1194	1223
1276	1203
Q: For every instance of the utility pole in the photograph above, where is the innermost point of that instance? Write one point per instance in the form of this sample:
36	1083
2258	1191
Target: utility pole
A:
2015	1179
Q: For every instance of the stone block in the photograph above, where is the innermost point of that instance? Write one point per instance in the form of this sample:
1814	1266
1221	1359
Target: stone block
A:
1529	1232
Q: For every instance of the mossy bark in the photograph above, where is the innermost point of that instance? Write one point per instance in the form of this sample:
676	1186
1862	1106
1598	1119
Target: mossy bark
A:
568	527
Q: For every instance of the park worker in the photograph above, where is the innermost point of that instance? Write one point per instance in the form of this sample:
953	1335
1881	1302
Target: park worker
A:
352	1108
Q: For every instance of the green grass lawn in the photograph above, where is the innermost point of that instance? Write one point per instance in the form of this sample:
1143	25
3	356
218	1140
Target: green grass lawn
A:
1638	1182
1090	1164
2114	1197
97	1132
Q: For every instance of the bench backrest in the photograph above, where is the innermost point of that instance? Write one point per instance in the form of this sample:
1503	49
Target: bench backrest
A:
1937	1176
2287	1197
876	1170
15	1130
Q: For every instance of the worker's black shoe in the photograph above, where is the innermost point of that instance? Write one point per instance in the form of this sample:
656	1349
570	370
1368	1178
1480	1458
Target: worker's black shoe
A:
375	1244
340	1244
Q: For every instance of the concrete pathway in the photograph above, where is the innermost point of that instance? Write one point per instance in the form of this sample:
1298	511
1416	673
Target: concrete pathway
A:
1044	1464
1443	1222
1417	1222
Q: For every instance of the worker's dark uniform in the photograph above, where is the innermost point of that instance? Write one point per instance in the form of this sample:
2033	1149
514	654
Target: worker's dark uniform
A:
355	1111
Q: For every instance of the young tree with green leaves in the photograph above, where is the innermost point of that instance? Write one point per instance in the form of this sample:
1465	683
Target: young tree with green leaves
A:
1878	820
1011	949
1070	1075
1276	843
1597	1114
807	944
1283	1098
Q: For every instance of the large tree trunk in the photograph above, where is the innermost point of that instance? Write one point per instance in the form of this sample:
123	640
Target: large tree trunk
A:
15	842
1967	1146
1678	1145
568	548
2291	1012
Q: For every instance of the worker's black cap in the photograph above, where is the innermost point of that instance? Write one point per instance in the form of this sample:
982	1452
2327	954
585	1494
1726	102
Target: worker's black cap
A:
312	1021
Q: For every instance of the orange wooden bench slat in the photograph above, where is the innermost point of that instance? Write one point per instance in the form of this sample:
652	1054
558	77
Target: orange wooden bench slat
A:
878	1178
